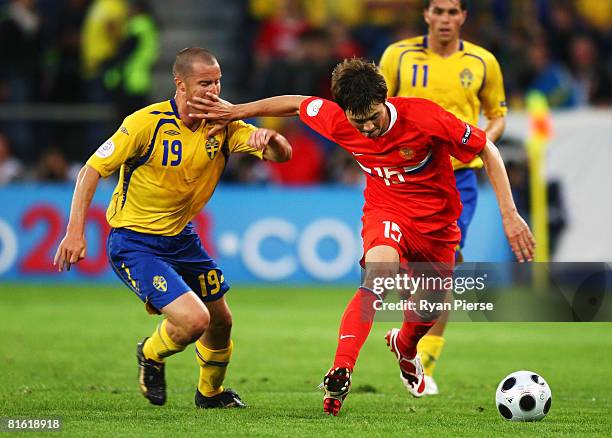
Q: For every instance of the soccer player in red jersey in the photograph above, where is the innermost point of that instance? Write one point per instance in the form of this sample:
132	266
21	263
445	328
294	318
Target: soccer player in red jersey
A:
411	205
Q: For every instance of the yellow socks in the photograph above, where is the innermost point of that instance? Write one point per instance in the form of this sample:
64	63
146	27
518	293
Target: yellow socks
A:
430	348
213	365
160	345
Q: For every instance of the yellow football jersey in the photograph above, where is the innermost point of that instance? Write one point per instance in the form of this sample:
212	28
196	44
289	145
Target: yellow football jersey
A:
462	83
168	172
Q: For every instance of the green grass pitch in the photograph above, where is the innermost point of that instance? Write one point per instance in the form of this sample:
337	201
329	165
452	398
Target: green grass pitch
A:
68	351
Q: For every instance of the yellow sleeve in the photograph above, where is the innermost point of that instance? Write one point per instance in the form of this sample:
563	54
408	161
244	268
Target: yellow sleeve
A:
238	134
131	140
493	96
388	68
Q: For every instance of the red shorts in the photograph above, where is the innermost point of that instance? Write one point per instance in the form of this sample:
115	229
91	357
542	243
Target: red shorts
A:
384	228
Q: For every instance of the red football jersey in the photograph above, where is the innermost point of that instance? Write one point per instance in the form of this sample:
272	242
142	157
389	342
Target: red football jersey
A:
408	168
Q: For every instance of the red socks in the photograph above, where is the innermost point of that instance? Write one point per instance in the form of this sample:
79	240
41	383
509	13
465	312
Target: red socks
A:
355	327
357	322
409	336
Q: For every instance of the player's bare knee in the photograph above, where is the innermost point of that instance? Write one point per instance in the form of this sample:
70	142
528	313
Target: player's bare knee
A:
195	325
381	266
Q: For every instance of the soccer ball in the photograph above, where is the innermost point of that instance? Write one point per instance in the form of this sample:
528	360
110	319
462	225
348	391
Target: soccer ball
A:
523	396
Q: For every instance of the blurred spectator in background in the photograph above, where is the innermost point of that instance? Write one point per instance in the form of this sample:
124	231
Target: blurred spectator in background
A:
102	35
306	71
307	164
10	167
129	74
597	12
279	35
53	167
591	79
103	32
550	78
21	49
378	21
560	22
68	81
21	46
343	43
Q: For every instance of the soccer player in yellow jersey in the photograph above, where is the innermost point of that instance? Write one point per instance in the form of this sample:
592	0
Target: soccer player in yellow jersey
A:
168	169
464	79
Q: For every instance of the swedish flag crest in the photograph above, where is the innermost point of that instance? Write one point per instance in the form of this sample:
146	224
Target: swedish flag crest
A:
212	147
466	77
160	283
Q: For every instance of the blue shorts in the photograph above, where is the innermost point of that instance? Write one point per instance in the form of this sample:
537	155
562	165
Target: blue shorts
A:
467	185
159	269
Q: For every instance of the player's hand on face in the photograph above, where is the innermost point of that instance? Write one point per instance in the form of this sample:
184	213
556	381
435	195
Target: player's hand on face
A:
71	249
211	107
260	138
519	236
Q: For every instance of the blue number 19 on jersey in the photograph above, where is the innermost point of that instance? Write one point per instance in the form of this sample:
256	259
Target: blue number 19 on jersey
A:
177	150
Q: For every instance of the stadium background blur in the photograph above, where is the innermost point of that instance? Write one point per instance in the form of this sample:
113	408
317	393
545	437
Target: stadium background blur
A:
74	68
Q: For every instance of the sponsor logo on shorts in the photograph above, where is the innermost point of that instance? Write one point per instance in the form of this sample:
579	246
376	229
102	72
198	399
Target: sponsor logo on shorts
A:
124	130
160	283
106	149
313	107
467	134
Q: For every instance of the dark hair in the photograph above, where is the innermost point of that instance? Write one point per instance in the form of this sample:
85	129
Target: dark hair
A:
187	57
462	3
357	85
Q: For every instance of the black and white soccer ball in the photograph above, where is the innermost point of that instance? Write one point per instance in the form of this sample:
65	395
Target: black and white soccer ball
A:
523	396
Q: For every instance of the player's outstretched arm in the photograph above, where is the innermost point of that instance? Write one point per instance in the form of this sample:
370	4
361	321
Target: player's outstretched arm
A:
516	229
73	247
223	112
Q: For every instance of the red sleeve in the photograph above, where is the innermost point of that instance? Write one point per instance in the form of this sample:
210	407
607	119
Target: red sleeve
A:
462	140
321	115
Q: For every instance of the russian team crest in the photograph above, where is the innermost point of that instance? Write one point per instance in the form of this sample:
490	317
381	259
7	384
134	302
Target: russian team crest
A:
212	147
407	153
466	77
160	283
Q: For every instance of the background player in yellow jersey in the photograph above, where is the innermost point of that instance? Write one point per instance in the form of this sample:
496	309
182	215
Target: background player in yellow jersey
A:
463	78
169	167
